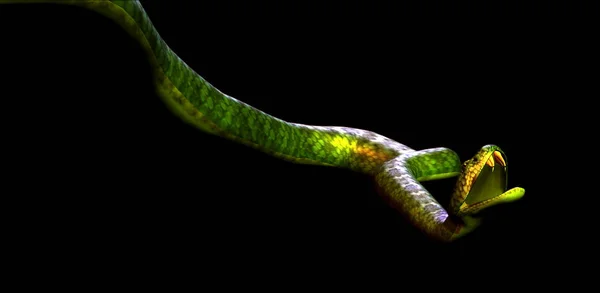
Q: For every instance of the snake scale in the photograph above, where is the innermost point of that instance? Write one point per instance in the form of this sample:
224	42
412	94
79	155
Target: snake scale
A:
397	169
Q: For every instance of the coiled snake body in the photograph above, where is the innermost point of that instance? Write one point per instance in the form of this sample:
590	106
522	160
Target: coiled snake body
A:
397	169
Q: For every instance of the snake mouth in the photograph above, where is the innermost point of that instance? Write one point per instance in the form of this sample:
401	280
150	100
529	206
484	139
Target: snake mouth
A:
490	183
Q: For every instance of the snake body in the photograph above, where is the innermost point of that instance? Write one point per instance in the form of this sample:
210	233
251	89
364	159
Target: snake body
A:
398	169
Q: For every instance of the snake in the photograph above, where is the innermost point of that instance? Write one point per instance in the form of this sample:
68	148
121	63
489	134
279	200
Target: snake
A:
398	170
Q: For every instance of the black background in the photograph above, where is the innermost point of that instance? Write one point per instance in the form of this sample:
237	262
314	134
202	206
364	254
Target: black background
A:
107	175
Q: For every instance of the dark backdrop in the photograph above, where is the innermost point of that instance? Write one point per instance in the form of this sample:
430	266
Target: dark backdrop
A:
108	173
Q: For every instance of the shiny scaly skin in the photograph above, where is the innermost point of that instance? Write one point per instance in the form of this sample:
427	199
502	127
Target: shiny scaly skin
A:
397	168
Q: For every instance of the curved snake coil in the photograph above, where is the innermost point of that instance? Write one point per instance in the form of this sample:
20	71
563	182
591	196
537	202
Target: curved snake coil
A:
397	169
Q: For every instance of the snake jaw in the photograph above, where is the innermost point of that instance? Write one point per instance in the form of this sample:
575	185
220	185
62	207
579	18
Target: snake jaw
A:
482	183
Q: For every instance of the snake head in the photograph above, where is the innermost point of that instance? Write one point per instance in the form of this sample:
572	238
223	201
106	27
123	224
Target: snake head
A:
483	183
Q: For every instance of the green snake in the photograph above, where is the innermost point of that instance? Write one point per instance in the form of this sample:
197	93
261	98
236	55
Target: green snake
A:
397	169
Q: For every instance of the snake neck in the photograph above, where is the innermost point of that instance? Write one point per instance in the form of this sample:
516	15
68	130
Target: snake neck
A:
432	164
399	181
